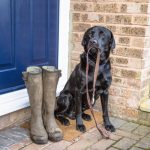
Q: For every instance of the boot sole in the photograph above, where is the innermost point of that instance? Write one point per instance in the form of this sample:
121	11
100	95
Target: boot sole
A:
38	141
55	139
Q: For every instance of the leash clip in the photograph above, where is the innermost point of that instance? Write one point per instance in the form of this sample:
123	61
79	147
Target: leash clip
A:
93	100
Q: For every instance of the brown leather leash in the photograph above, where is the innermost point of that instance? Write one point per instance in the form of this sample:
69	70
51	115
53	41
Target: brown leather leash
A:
102	131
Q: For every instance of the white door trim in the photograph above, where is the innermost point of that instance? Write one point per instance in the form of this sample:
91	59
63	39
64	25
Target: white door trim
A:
17	100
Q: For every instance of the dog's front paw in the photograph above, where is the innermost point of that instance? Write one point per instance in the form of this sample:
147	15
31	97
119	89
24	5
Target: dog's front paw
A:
71	115
66	122
86	117
63	120
81	128
110	128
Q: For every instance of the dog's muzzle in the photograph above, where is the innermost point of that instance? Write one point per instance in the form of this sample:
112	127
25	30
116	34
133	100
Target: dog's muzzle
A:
93	42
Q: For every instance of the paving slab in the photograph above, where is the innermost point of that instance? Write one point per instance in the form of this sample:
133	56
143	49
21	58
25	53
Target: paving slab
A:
5	142
85	141
135	148
117	122
142	130
130	126
148	136
102	144
20	145
4	148
12	135
62	145
34	146
20	130
144	143
112	148
128	135
125	143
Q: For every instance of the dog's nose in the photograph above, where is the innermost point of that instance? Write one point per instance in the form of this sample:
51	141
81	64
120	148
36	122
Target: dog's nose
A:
93	41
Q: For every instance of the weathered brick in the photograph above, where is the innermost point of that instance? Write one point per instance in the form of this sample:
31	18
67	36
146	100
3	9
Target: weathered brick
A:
80	27
92	17
130	114
133	101
109	7
76	17
134	8
137	42
82	7
75	56
77	46
121	60
116	110
115	91
144	8
134	31
124	40
123	82
129	52
76	37
130	74
127	62
111	27
117	99
118	19
140	20
119	72
123	8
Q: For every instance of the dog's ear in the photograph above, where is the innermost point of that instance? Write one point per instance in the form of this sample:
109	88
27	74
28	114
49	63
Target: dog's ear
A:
112	43
83	43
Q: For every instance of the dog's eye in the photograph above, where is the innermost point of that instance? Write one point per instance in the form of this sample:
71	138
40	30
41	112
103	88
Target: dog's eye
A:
91	34
101	33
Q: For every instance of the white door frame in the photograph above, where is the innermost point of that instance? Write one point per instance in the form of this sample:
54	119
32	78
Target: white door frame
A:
17	100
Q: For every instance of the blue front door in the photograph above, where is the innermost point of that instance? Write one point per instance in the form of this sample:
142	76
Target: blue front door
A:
28	36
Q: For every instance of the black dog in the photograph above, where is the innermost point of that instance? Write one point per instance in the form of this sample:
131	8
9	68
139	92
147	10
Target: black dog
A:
72	101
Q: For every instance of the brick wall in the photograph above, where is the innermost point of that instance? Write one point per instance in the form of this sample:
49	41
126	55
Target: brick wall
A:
129	21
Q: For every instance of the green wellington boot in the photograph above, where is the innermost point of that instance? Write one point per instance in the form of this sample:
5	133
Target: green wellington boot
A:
50	80
33	82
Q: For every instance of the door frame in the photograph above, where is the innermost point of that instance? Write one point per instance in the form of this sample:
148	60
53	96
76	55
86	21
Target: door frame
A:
17	100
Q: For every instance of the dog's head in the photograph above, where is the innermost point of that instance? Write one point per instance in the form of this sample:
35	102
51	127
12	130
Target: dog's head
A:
98	38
